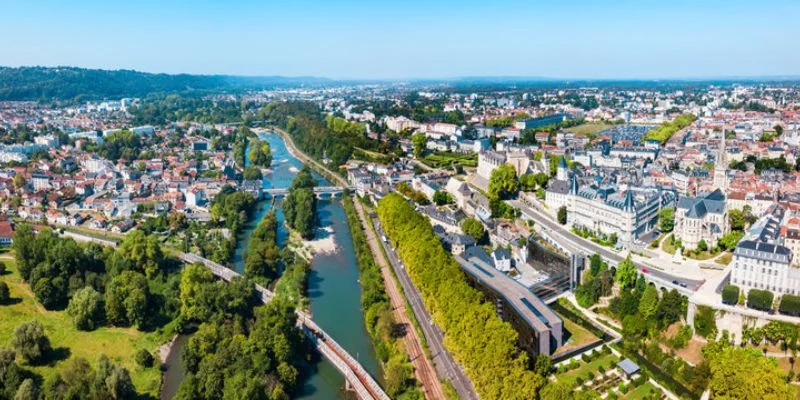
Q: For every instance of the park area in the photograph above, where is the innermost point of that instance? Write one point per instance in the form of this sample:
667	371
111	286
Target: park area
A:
598	371
442	159
68	343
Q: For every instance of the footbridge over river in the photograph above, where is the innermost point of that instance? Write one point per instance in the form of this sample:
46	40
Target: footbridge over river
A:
357	377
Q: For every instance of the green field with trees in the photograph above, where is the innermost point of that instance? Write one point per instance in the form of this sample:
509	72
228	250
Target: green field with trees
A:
665	131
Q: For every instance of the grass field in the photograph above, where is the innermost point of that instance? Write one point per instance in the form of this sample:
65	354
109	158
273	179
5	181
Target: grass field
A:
590	129
119	344
640	392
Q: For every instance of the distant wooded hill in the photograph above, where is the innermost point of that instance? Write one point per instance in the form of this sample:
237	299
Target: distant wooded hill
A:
72	83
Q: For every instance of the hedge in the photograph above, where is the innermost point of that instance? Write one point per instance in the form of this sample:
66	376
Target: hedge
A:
790	305
730	294
760	299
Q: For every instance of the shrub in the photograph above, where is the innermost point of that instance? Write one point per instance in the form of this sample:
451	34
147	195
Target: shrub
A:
5	294
579	381
623	388
590	377
144	358
2	268
760	299
790	305
730	294
601	369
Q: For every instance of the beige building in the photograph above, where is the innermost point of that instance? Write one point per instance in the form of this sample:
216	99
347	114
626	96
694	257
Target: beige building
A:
701	218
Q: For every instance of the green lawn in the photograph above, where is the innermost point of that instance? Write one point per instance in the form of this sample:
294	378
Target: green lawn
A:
575	335
667	246
590	129
640	392
608	361
119	344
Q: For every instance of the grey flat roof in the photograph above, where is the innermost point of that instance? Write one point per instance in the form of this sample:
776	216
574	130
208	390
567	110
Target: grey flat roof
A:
628	366
527	305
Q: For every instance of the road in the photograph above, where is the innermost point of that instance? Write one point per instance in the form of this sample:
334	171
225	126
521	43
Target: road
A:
445	365
578	245
423	368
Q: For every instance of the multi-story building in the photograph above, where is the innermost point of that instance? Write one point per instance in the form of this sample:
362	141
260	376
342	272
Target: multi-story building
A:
606	210
702	218
761	261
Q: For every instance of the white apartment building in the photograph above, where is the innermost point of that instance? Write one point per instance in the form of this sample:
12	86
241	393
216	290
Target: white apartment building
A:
762	262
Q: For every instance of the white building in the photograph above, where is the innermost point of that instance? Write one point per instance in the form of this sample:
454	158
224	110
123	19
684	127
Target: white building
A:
761	261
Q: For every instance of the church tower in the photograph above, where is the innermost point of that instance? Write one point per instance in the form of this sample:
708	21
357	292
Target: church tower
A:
721	167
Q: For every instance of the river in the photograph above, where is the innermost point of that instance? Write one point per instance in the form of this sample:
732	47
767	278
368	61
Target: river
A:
333	288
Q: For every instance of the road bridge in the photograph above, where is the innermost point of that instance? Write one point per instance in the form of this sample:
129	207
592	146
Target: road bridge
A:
319	191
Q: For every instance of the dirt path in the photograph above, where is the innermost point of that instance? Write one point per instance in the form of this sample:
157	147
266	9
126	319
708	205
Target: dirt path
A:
423	369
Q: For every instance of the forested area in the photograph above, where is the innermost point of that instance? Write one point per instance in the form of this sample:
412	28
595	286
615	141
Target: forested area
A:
263	253
319	137
475	335
239	351
398	371
81	84
231	209
134	285
300	205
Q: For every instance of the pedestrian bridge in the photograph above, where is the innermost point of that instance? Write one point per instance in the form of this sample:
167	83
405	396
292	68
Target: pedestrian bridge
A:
364	385
319	191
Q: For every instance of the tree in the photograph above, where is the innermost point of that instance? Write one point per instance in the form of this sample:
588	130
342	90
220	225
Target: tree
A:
736	218
420	141
473	227
27	390
252	174
739	373
649	302
142	251
5	294
260	154
666	219
702	245
144	358
626	273
31	342
503	182
562	215
730	240
127	297
86	309
441	198
705	322
542	365
527	182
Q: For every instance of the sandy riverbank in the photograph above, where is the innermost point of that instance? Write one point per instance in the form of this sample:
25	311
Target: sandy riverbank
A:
324	245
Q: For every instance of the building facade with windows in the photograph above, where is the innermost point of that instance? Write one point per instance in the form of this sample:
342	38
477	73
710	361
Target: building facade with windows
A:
761	261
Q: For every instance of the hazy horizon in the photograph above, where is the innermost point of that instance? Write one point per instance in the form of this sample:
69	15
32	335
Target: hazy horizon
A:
413	40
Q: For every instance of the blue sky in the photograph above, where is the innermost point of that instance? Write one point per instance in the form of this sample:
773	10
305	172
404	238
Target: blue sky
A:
410	39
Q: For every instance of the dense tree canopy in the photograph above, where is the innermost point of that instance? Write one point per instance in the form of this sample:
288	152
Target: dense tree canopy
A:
300	206
31	342
503	183
483	341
